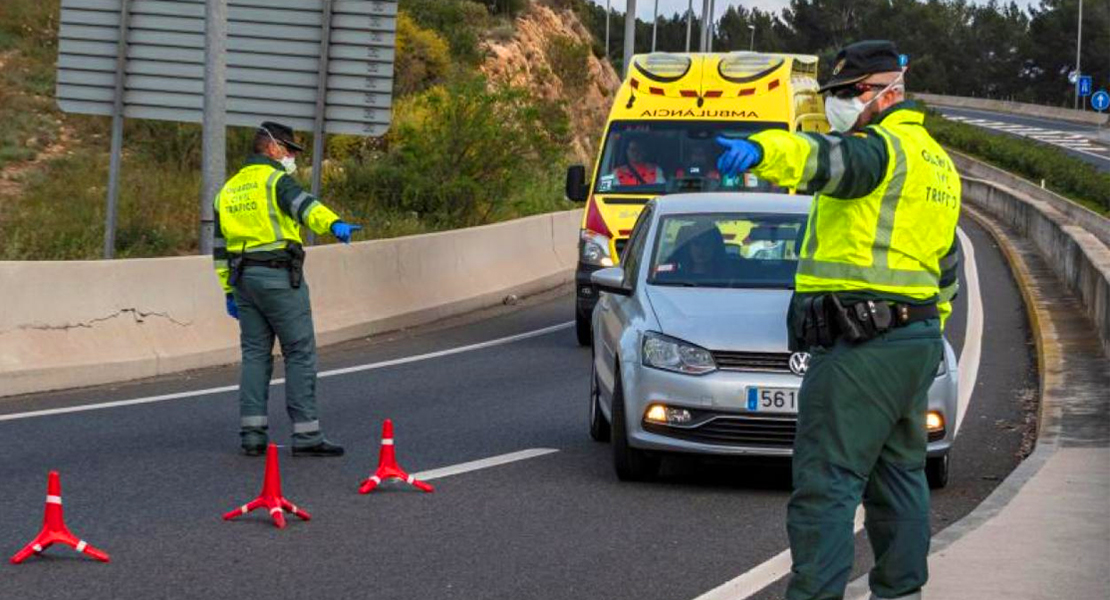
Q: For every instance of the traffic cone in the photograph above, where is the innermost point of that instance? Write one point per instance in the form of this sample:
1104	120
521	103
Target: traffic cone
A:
271	497
54	530
388	467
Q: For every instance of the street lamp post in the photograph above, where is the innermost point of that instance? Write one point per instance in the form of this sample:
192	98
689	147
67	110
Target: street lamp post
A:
751	46
711	26
629	35
654	24
1078	48
607	28
702	47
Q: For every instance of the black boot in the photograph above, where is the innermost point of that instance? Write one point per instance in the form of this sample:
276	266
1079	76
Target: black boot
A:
324	448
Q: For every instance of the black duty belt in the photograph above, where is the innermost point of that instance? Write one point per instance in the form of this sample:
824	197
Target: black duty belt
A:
274	263
823	319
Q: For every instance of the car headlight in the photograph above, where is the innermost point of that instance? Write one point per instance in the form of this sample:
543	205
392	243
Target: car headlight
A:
593	249
670	354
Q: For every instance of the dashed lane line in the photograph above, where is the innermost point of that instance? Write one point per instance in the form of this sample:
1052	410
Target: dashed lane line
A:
331	373
484	463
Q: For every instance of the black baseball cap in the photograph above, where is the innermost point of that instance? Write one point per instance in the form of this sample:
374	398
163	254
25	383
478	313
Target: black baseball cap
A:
282	134
857	61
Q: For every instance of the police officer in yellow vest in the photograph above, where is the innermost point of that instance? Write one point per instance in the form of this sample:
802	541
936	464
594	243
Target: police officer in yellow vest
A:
259	259
878	257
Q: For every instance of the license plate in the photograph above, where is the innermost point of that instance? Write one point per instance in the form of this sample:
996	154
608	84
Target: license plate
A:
773	400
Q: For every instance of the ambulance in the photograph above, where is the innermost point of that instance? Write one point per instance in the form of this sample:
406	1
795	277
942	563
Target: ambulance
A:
660	139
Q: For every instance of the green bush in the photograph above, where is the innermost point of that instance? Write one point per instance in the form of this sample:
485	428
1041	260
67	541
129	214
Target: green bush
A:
1063	174
569	60
464	155
423	57
458	21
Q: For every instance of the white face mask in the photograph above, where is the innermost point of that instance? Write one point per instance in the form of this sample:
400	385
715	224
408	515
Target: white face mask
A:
290	165
843	113
288	162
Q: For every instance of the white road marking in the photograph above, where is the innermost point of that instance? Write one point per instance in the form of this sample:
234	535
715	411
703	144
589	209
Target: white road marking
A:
778	566
332	373
763	575
485	463
973	333
1069	140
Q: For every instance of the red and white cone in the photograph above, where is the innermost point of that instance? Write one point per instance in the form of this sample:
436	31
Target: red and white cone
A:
388	467
271	498
54	530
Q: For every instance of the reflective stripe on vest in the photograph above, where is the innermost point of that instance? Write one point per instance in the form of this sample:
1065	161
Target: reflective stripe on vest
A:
860	244
250	217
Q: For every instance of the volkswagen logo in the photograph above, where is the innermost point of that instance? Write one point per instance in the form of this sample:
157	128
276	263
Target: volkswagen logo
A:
799	363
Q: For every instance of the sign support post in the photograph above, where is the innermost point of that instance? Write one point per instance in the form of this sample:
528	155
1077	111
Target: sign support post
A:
112	208
318	137
215	116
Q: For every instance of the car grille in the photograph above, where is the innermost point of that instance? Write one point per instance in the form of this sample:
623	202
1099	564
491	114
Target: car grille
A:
767	362
620	244
770	432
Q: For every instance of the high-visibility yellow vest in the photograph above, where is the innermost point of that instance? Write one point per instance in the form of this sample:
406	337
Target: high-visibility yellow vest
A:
249	215
893	239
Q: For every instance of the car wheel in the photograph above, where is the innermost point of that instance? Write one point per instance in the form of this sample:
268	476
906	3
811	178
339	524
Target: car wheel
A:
936	471
599	427
631	464
582	329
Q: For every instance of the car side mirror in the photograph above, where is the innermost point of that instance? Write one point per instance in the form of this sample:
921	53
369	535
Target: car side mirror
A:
577	187
610	280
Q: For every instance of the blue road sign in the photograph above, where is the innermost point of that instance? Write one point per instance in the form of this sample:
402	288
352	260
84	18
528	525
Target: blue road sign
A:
1100	101
1085	85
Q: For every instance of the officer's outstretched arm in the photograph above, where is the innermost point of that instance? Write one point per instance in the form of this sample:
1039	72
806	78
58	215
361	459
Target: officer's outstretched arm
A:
303	206
841	166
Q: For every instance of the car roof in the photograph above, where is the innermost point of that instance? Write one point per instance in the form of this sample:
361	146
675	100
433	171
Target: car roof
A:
726	202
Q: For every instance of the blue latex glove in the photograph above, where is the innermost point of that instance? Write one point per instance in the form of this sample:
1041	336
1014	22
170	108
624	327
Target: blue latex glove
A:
740	155
232	308
342	231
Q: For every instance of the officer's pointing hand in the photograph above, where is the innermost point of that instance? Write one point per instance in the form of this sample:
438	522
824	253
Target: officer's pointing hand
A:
740	155
232	308
342	231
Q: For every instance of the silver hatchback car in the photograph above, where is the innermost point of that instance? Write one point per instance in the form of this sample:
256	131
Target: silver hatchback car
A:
690	340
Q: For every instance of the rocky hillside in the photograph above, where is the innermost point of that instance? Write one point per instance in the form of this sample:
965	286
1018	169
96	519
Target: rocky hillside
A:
536	58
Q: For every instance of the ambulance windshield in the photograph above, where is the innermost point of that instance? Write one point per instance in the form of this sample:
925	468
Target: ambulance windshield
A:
665	157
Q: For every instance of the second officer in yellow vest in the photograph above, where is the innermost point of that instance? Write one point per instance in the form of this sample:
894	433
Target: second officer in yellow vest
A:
876	273
259	259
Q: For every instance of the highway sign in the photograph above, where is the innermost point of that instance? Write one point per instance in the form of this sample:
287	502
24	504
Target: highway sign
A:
273	58
1085	85
1100	101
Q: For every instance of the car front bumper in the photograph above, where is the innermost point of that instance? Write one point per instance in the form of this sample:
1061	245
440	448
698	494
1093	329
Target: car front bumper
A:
722	425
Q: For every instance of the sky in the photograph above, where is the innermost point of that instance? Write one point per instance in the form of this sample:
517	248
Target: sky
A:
669	7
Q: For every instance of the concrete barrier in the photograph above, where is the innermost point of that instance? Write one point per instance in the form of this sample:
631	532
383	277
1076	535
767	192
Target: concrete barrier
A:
1076	255
1016	108
81	323
1086	218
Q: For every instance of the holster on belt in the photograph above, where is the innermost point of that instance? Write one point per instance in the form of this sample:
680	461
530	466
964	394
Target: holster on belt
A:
235	265
296	265
821	320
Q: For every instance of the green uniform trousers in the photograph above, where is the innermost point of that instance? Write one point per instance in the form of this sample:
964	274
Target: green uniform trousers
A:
861	435
269	306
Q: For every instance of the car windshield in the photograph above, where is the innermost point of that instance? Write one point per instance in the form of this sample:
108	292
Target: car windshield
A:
663	157
727	250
